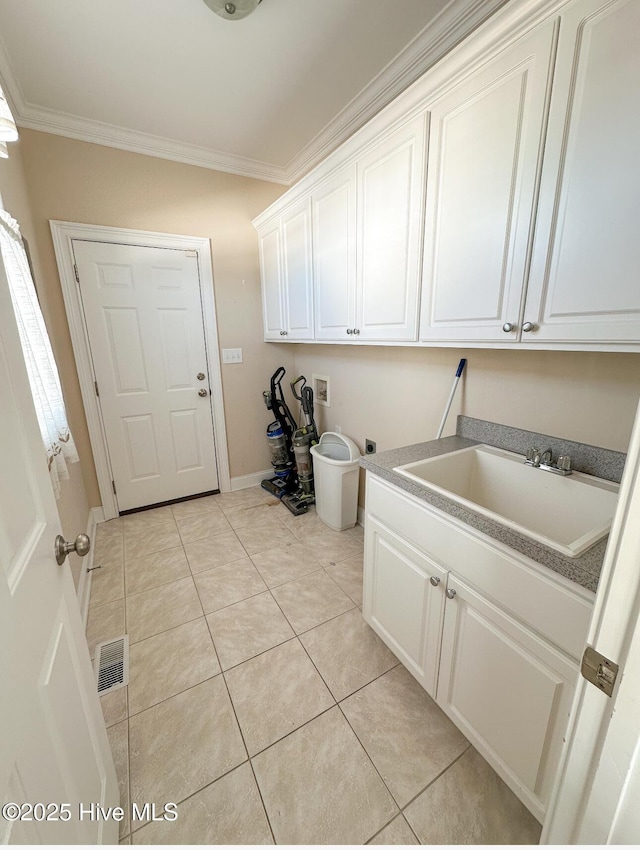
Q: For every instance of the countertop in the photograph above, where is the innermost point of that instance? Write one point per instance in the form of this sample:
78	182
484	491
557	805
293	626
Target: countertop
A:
584	570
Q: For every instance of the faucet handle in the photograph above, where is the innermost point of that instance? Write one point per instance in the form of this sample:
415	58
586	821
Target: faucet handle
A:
531	453
564	463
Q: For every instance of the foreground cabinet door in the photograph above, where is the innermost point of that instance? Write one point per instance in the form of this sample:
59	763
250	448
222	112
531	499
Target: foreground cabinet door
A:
389	237
297	271
584	284
404	601
484	147
507	690
271	274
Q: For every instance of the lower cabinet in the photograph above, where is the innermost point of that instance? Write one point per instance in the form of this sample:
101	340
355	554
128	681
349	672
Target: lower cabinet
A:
504	684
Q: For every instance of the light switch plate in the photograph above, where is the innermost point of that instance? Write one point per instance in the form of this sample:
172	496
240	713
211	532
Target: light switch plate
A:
232	355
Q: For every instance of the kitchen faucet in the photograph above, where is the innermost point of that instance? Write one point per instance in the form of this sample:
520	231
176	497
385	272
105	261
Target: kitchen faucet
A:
544	460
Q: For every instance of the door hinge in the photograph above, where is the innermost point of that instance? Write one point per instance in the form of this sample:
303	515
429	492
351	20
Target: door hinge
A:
75	269
95	384
598	670
113	485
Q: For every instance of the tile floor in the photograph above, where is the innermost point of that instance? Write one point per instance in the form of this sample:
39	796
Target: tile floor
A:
259	700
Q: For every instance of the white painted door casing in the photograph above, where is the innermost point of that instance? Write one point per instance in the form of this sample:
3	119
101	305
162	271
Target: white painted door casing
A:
484	150
583	285
143	313
401	604
53	745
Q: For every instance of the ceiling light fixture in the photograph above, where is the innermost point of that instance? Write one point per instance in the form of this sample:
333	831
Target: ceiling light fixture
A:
233	11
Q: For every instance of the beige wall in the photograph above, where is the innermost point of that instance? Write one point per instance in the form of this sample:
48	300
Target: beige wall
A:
396	396
75	181
73	505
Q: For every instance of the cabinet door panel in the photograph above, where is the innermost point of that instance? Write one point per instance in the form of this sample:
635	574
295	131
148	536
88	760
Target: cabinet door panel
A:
507	690
584	275
390	201
334	256
400	603
297	271
483	159
271	272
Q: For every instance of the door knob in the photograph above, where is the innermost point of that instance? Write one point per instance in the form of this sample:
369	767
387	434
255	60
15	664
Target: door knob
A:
435	581
201	376
203	393
80	546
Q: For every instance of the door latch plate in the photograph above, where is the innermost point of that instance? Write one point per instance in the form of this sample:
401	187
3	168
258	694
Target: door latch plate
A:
600	671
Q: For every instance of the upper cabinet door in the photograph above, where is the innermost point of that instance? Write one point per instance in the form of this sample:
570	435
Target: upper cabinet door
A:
334	256
297	271
584	284
389	238
271	273
485	144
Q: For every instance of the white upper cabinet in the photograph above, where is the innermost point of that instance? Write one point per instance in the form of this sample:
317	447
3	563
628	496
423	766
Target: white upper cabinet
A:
389	223
585	282
286	271
485	143
334	255
271	274
297	271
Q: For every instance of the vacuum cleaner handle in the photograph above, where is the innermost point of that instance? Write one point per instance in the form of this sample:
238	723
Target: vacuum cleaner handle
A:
295	383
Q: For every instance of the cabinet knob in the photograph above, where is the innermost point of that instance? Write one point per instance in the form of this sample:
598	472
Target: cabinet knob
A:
450	593
435	581
508	327
356	331
349	330
528	327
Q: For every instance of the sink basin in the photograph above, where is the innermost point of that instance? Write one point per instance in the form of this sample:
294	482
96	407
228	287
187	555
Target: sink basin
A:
567	513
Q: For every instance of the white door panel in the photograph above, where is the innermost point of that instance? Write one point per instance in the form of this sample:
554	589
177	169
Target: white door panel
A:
53	741
144	320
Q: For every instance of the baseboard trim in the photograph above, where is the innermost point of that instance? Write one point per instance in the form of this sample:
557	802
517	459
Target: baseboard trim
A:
96	515
241	482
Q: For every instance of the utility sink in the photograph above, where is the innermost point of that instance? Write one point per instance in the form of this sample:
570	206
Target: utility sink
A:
567	513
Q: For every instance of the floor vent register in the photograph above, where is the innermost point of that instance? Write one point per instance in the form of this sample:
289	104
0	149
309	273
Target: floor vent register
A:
112	664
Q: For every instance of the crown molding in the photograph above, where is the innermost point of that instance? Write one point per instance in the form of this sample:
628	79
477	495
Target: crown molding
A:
455	22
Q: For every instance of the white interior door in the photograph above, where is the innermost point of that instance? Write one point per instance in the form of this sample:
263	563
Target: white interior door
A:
53	742
143	314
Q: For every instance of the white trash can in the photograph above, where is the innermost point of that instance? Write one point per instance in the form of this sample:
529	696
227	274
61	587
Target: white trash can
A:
336	460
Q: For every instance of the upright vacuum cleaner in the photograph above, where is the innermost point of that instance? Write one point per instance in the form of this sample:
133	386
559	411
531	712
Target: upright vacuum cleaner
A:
290	446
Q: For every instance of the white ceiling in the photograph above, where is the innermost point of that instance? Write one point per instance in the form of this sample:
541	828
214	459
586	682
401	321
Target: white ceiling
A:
266	96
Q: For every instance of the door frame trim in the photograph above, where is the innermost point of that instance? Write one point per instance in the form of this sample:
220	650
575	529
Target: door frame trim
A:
63	232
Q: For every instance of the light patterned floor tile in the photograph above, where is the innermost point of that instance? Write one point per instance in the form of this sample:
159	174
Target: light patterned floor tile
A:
142	520
311	600
319	786
240	498
347	653
332	546
397	832
226	585
104	623
229	811
348	575
214	552
479	808
119	742
262	515
202	525
190	507
275	693
259	539
247	628
156	569
409	739
169	663
284	563
153	539
182	744
107	584
114	706
161	608
108	549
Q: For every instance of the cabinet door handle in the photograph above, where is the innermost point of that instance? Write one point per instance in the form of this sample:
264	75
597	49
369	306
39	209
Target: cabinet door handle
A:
435	581
528	327
356	331
450	593
508	327
349	330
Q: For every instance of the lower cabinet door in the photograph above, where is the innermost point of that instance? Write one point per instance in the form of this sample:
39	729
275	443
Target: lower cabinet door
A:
507	690
404	601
